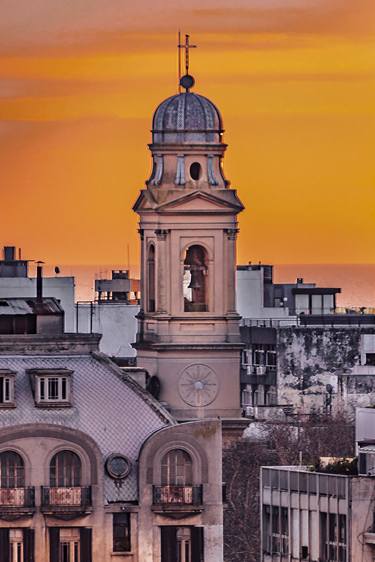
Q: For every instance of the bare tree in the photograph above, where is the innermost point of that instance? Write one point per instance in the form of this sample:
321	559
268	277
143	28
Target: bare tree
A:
283	444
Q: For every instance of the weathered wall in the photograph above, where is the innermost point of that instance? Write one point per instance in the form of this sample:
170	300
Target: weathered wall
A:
309	359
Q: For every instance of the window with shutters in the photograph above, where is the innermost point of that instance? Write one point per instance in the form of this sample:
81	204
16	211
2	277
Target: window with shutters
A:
121	532
181	544
70	544
16	548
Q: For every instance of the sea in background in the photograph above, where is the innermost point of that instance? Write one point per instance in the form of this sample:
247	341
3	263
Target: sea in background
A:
357	281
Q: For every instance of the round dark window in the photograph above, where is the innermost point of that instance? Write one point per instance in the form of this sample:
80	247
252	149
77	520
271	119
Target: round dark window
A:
195	171
118	466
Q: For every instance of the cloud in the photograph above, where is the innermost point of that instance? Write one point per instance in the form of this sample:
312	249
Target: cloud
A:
106	24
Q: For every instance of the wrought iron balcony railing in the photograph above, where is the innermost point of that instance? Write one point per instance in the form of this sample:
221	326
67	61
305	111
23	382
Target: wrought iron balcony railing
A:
66	497
17	497
177	495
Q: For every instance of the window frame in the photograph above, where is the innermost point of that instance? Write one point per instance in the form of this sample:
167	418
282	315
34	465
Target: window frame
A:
9	376
52	387
127	525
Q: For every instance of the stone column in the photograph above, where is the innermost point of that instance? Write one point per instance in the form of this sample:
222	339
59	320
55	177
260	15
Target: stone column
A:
231	234
162	273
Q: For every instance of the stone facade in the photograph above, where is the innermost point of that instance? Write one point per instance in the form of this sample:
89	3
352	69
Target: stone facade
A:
188	334
92	467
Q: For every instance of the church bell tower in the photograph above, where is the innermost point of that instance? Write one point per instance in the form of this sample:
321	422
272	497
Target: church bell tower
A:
188	327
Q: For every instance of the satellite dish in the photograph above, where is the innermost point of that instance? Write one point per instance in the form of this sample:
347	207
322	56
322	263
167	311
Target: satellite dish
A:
57	270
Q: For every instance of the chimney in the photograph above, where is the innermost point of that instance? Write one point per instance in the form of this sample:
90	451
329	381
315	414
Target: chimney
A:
39	281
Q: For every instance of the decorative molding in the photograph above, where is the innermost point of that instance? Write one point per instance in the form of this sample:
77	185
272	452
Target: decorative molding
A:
231	233
159	167
180	172
161	234
210	171
198	385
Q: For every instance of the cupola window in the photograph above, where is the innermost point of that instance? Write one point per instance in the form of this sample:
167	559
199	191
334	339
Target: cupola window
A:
195	279
195	171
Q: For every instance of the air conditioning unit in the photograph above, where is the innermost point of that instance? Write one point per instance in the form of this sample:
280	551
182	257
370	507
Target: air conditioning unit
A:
249	370
261	370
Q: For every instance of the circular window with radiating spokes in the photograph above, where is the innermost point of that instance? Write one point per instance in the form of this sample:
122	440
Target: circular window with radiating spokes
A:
118	466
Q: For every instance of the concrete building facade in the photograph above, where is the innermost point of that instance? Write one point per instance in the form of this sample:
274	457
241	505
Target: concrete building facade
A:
322	515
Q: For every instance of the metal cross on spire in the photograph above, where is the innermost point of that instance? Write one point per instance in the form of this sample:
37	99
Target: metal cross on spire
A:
186	46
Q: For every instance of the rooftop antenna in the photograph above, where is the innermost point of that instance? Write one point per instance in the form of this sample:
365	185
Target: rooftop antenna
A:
185	81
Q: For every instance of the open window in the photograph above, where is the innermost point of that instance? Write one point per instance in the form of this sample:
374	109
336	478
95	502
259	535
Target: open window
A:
151	279
195	279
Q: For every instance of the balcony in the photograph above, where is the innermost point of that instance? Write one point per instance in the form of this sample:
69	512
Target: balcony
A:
16	502
177	501
66	502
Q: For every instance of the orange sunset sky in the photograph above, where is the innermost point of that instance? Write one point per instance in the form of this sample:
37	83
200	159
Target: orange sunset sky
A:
294	80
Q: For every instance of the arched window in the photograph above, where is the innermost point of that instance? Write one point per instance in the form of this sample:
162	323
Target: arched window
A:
195	171
12	470
195	280
151	279
176	468
65	470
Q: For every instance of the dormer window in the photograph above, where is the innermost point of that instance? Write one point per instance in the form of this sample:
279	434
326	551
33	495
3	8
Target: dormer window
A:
7	379
51	387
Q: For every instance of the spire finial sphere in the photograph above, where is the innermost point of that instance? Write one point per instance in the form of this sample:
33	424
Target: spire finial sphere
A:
187	81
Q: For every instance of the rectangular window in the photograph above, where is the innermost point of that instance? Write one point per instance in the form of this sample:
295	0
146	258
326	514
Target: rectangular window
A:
121	532
6	389
271	358
54	389
333	537
275	530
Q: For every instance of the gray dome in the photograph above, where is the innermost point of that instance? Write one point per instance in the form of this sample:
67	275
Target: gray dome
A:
186	118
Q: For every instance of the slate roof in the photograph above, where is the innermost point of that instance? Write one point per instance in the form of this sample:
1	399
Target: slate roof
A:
106	405
187	117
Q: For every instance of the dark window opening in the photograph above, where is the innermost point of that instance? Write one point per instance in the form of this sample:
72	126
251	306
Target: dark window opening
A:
12	470
151	279
275	524
195	171
121	532
370	359
195	280
65	470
